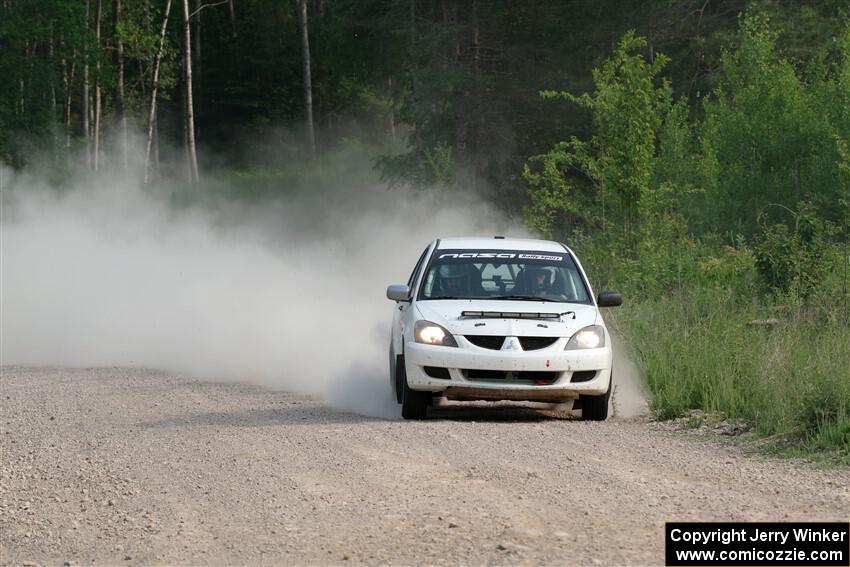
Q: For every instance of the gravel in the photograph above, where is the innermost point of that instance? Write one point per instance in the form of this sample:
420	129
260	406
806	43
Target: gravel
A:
129	466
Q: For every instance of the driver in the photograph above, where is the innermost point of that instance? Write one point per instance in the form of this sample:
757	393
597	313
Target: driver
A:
454	280
541	281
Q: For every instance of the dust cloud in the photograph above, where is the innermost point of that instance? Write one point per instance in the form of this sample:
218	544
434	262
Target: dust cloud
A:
285	292
629	398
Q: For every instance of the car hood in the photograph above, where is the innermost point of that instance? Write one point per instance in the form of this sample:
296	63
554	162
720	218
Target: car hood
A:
448	314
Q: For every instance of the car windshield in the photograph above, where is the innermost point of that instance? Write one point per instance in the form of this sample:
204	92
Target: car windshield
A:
504	274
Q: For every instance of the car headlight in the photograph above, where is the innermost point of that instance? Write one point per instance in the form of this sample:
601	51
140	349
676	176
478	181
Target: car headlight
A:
589	337
429	333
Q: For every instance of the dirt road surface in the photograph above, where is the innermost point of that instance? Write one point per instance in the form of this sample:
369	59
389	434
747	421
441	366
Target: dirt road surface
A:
126	467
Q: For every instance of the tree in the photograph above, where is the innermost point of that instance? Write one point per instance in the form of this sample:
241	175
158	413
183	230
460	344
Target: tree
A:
769	133
628	110
188	104
308	87
98	102
85	93
118	62
154	89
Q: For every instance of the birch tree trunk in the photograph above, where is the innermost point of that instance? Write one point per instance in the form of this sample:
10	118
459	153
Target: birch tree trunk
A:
189	123
414	77
53	108
68	82
308	87
97	94
232	10
196	60
118	60
154	87
155	157
391	113
85	93
196	47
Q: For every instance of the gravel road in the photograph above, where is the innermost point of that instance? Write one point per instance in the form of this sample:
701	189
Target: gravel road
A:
128	466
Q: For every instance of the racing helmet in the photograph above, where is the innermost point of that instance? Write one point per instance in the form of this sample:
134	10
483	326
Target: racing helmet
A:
452	272
536	274
453	276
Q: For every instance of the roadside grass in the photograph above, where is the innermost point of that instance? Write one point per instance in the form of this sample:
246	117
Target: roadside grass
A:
790	382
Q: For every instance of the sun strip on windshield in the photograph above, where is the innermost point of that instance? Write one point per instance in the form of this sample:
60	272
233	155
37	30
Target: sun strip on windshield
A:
500	256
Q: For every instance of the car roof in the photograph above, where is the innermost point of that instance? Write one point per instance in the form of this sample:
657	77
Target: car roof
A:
498	243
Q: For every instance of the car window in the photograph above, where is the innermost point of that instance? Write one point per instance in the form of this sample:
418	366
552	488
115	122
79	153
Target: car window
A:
504	274
416	269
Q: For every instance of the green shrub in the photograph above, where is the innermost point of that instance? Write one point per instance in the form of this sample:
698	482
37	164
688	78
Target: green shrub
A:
794	259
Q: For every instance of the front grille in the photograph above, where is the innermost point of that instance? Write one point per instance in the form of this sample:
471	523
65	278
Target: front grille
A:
486	341
437	372
529	376
536	343
583	376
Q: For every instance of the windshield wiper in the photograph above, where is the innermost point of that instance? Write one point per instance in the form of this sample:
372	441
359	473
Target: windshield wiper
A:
519	298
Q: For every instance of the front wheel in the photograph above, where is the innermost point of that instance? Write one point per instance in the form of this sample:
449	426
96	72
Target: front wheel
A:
414	405
595	408
396	373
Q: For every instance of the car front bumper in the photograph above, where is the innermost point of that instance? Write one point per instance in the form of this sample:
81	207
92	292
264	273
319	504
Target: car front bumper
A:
559	366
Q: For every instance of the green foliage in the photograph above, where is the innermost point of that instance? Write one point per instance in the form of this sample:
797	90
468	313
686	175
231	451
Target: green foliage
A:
767	166
457	74
677	175
561	185
139	32
628	111
440	165
769	135
40	42
138	43
727	267
793	259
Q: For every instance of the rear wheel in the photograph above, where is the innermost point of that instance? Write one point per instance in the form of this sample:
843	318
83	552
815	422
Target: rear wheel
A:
414	405
595	408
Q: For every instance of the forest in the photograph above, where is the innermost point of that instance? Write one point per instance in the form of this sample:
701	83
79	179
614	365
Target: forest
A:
695	152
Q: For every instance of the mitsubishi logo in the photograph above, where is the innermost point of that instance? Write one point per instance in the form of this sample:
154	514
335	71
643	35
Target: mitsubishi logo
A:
511	343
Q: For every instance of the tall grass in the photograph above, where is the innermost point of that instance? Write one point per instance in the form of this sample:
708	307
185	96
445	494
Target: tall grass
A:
698	350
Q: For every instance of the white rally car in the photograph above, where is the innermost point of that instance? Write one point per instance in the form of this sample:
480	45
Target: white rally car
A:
500	319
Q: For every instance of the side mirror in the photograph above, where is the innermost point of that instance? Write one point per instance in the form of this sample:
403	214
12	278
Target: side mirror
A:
398	292
609	299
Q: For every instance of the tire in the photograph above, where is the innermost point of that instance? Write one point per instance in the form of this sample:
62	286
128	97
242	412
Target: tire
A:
399	377
394	385
414	405
595	408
